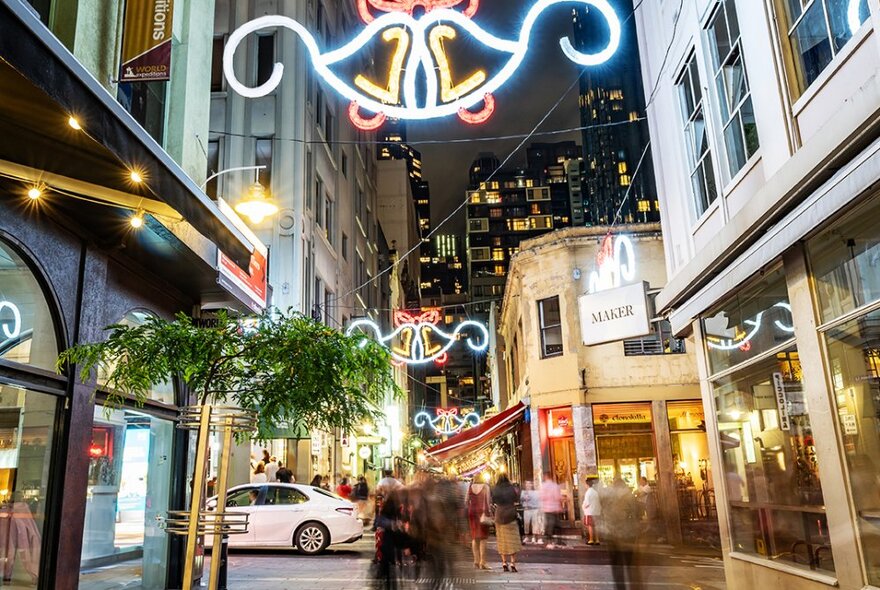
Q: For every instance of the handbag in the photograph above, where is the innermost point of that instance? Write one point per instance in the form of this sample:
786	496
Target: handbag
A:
486	518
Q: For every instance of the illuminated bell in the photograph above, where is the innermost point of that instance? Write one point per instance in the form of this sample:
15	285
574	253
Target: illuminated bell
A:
256	206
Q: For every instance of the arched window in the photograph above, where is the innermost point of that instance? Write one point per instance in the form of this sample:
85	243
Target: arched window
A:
27	331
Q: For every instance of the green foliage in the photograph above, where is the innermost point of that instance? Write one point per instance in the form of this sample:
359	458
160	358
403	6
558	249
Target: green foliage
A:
292	370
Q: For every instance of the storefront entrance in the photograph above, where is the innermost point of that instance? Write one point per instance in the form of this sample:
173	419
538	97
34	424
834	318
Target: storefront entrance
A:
624	443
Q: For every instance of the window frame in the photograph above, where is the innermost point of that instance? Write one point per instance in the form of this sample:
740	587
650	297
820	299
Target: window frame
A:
690	70
544	328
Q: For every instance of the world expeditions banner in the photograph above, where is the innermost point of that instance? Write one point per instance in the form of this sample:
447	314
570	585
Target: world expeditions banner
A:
146	41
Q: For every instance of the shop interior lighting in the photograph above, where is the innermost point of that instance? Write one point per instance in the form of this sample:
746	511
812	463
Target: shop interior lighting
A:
425	65
74	123
257	205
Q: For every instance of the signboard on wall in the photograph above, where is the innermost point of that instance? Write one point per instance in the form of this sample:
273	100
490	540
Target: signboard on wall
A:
253	283
614	314
146	41
781	401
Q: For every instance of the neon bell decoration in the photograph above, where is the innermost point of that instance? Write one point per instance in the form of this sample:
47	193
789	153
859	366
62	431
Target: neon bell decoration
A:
412	341
418	58
447	421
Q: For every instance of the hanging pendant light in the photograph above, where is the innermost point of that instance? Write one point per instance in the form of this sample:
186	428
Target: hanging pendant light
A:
257	205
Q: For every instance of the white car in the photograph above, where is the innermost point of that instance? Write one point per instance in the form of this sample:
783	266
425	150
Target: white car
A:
285	515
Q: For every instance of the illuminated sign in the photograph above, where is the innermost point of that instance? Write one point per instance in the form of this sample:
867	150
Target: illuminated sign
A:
10	328
412	340
447	421
560	423
418	59
616	264
742	341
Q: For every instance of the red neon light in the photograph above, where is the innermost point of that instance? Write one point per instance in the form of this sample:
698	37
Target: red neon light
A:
96	450
481	116
367	124
408	6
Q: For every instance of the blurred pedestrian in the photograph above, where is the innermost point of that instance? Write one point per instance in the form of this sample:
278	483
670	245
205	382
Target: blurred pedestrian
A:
284	475
259	474
325	483
504	497
592	511
478	521
648	505
272	469
551	506
316	481
531	504
360	493
388	543
343	490
266	458
620	529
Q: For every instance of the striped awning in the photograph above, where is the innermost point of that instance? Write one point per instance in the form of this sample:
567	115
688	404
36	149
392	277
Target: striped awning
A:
479	436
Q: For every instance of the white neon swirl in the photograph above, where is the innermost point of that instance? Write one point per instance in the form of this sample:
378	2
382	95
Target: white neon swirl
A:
15	331
615	271
852	16
418	353
731	344
420	55
423	420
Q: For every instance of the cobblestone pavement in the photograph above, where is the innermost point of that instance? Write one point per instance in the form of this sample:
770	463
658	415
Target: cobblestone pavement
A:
347	567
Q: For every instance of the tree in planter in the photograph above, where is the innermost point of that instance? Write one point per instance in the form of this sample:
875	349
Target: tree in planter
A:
285	367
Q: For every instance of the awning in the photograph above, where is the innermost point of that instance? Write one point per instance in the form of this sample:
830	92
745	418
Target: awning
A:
472	439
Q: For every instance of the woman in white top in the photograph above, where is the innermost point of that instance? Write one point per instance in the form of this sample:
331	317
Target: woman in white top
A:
259	474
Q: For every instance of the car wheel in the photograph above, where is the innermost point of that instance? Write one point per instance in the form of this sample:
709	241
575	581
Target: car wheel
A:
311	538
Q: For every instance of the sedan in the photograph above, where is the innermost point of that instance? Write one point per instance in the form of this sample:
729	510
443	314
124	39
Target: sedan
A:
291	515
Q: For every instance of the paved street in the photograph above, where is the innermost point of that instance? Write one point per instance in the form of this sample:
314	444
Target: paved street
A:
574	567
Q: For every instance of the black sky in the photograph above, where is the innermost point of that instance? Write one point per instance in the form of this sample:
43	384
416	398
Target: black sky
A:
541	79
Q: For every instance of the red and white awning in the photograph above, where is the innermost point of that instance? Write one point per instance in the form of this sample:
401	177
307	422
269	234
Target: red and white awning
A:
474	438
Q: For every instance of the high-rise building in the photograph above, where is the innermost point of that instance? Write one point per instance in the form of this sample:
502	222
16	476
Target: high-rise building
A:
615	134
509	205
444	269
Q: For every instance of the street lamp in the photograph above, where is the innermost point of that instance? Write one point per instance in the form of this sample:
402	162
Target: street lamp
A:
256	204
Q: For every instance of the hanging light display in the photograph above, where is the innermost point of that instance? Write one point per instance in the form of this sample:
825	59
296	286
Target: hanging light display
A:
447	421
418	58
414	340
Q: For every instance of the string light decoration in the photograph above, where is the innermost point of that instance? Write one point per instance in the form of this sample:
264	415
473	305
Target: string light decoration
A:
447	421
418	60
412	342
743	341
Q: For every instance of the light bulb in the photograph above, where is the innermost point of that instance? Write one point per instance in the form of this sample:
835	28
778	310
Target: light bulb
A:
74	124
136	177
136	220
34	193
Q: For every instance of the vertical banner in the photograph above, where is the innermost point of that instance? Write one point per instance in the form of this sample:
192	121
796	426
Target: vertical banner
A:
781	401
146	41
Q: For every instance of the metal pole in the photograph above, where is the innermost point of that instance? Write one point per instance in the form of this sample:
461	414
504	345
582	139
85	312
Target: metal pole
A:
236	169
198	487
217	554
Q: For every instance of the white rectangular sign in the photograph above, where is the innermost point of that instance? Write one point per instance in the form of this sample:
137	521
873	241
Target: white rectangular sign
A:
614	314
781	401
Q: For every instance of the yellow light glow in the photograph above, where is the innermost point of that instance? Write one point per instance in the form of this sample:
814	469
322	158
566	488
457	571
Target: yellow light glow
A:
137	220
34	193
136	176
74	123
422	457
449	91
390	94
256	206
486	476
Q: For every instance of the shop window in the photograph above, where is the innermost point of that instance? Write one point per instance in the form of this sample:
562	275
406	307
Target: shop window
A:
129	483
734	101
845	260
27	331
624	443
777	509
693	474
27	435
818	30
265	58
854	364
550	320
752	322
217	64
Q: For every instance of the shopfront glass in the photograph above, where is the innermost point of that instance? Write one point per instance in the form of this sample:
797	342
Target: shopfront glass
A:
27	333
845	260
624	443
693	472
27	424
129	484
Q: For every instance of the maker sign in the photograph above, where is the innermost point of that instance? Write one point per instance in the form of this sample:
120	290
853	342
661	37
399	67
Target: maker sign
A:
615	314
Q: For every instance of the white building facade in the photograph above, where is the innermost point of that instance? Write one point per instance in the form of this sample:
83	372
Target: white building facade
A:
764	118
